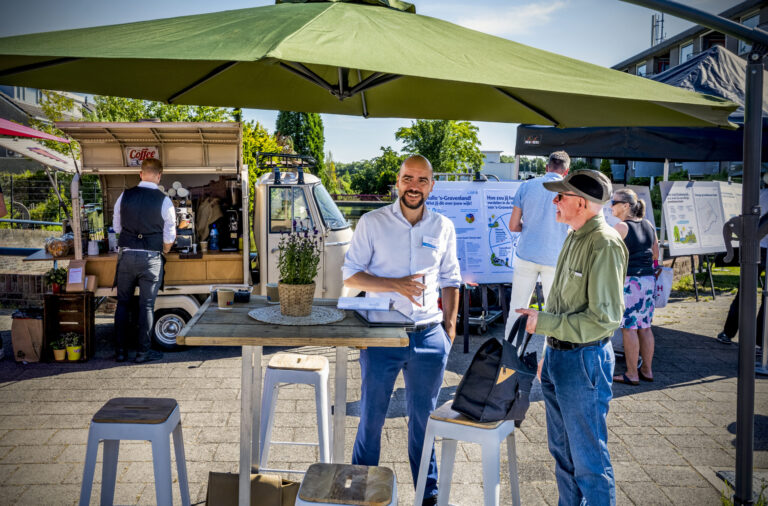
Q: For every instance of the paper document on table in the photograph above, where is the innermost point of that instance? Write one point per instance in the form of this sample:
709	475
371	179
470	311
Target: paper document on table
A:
364	303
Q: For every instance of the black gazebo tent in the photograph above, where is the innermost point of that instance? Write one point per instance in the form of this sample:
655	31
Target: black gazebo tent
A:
716	71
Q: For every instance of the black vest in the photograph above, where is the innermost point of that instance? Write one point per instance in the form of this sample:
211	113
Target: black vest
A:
141	218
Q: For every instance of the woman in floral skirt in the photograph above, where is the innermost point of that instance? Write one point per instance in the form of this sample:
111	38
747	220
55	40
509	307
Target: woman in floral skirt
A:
640	239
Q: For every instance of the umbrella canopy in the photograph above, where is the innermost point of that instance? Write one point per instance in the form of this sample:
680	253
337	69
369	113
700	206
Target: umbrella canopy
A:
355	57
16	130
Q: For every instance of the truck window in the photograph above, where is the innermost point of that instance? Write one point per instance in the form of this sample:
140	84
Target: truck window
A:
331	214
287	204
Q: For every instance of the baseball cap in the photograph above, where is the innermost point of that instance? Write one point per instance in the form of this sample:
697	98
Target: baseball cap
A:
592	185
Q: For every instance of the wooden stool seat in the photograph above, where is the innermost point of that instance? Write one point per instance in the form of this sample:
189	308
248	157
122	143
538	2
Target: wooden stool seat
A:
445	413
298	362
135	410
348	484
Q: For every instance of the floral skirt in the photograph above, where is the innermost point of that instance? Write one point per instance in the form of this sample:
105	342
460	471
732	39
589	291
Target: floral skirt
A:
638	299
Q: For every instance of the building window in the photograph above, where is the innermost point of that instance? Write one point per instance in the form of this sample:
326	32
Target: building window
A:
711	40
641	69
749	22
686	52
661	64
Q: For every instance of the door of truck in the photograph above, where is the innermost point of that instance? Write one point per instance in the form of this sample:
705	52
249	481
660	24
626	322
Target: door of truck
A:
289	207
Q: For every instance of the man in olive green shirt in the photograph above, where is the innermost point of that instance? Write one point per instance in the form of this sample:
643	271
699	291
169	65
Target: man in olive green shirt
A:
584	308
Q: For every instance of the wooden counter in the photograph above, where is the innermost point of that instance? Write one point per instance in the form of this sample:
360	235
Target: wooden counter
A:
213	267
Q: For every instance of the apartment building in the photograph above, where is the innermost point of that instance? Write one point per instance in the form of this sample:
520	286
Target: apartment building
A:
683	46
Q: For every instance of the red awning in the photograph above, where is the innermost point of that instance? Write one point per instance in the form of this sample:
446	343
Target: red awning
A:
16	130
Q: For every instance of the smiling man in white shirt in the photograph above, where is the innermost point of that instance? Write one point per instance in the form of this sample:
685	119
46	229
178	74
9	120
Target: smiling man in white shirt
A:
407	254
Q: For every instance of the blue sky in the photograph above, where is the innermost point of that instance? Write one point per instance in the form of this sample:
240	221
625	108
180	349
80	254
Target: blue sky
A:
603	32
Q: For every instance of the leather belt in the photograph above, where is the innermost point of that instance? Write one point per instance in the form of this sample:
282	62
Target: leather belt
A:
424	327
557	344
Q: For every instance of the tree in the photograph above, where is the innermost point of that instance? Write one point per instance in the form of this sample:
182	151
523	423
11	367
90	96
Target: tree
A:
333	179
377	174
306	131
132	109
451	146
605	168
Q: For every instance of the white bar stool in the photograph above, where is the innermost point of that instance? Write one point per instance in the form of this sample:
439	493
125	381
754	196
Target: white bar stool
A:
293	368
136	418
453	427
346	484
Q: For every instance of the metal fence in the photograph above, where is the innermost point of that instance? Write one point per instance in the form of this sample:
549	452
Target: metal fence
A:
33	198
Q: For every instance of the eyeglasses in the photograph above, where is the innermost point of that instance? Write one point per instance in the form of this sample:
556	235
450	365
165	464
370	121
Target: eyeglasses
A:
560	196
614	202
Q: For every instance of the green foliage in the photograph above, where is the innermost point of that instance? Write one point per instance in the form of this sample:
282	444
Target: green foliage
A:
451	146
58	276
605	168
726	496
299	257
55	107
345	183
58	344
375	175
580	164
726	281
132	109
72	339
306	131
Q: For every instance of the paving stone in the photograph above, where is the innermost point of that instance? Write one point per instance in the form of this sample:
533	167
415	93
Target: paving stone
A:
675	476
61	494
40	474
689	495
10	493
27	437
655	454
45	454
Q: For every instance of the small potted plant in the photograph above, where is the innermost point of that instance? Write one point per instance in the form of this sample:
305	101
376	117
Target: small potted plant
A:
59	350
298	261
56	278
74	343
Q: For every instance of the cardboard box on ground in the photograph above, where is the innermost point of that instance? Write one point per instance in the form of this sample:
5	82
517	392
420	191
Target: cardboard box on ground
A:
266	490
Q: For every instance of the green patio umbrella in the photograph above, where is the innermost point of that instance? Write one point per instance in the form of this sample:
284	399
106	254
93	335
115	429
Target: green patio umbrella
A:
375	58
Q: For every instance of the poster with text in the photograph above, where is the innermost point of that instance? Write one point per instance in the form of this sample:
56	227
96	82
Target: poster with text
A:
643	192
480	212
693	217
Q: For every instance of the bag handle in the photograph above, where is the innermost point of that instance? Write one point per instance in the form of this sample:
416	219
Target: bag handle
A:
518	334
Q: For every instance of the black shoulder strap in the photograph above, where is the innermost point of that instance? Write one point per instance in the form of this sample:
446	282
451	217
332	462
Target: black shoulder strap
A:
518	334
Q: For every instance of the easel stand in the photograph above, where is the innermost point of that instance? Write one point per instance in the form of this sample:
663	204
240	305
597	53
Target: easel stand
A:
693	274
487	315
761	367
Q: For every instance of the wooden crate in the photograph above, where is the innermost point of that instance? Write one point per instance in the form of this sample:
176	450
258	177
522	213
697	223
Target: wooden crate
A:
69	312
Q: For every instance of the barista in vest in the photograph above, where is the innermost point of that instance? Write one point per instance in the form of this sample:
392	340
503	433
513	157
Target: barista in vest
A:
146	221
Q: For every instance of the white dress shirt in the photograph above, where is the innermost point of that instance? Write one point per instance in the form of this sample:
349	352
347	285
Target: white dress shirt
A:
386	245
169	215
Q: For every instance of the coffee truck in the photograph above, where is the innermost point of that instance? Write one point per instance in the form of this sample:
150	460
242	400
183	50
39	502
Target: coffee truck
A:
205	178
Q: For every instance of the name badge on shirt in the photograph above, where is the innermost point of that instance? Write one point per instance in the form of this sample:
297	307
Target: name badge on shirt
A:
429	242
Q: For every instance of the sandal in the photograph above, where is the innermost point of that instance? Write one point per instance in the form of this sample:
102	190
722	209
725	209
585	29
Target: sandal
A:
624	379
644	377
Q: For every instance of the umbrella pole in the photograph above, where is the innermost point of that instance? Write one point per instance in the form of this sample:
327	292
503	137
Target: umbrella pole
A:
749	257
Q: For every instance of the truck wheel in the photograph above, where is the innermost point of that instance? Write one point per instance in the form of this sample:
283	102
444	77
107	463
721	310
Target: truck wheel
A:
168	324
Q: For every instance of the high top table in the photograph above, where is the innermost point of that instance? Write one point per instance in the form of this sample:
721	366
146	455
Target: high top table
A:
211	326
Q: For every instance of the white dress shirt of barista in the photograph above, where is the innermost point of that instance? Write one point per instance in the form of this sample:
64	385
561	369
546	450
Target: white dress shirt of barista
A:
386	245
169	216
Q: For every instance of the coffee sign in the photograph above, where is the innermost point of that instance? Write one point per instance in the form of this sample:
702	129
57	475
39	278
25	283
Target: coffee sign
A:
136	154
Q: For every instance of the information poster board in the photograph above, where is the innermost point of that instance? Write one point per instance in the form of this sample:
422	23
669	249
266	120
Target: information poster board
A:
480	212
695	212
644	193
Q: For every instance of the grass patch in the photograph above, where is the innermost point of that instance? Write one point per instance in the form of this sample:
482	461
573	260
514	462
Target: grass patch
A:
726	280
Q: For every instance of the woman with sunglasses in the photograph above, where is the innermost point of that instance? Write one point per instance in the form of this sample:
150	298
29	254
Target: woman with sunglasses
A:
640	238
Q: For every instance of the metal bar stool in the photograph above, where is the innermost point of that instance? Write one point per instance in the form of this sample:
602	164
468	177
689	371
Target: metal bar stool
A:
293	368
453	427
136	418
346	484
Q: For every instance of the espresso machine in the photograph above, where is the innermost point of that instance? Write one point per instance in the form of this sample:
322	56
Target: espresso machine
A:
185	220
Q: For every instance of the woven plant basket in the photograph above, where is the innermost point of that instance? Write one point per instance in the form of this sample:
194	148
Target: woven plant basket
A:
296	300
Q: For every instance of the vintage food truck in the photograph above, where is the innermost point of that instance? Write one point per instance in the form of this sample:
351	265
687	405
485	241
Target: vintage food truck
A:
205	178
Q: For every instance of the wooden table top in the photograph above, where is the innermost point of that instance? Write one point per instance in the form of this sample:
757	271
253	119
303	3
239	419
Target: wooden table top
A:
211	326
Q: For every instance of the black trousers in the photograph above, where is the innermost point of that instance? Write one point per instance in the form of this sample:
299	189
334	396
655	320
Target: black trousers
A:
143	269
731	326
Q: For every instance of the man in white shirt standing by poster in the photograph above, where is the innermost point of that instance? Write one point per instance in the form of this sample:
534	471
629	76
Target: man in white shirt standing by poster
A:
406	253
541	237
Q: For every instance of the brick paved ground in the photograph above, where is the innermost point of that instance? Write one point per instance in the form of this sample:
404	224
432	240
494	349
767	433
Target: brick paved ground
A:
666	438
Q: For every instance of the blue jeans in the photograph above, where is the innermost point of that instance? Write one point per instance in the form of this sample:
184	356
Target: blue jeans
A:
142	269
576	385
423	363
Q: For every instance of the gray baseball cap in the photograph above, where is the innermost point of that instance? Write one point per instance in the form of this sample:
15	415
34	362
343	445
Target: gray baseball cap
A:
592	185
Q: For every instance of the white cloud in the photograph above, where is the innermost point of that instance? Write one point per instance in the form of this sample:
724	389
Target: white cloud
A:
511	21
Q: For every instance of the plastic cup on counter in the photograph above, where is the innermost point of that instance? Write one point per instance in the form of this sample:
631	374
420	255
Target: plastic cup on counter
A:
203	246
